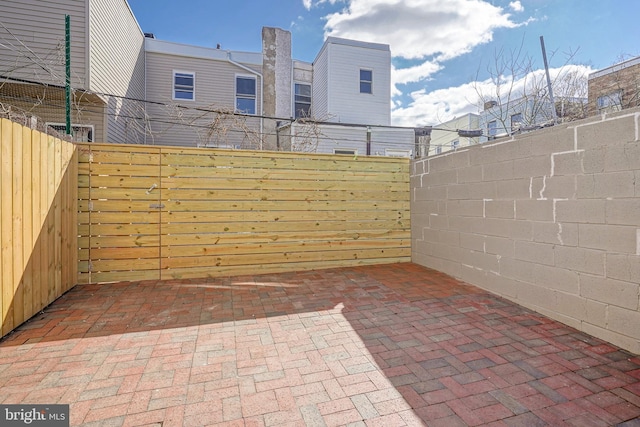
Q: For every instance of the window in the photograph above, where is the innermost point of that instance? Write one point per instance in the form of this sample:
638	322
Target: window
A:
246	94
183	85
366	81
438	149
344	151
492	128
455	144
392	152
610	102
302	101
79	133
516	122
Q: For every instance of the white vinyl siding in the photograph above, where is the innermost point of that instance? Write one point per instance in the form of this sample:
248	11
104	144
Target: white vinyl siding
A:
116	60
320	87
334	137
345	103
215	90
40	25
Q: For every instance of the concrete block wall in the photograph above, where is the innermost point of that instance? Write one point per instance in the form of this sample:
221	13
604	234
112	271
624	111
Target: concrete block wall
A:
548	219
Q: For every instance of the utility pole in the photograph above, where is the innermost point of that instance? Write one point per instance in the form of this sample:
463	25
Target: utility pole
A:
546	69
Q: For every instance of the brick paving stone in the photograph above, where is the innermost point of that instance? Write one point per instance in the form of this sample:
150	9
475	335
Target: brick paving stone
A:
387	345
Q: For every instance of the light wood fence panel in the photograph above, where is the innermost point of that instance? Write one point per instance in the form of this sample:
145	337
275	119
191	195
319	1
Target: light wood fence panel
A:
163	213
38	221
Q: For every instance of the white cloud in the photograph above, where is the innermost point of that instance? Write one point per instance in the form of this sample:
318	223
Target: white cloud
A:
306	4
439	106
516	6
417	29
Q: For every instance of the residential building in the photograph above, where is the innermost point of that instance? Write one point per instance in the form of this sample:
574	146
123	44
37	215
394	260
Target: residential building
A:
107	57
615	88
130	87
445	137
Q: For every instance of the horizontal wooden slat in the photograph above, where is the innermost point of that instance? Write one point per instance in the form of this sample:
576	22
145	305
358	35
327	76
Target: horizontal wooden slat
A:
189	212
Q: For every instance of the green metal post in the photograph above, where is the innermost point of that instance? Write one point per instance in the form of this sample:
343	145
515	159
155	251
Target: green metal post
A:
67	37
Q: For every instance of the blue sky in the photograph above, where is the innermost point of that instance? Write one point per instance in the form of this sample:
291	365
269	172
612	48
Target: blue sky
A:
441	48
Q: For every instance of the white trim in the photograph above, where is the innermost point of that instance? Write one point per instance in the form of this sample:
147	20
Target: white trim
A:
173	85
75	125
255	96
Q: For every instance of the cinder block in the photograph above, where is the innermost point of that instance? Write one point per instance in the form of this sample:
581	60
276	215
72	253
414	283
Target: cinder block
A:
587	211
502	246
618	130
450	238
458	191
498	171
580	259
426	192
513	189
557	278
593	160
424	207
622	157
522	271
623	211
462	223
418	223
534	210
499	209
465	208
624	321
556	233
538	296
532	166
483	190
610	291
469	174
571	305
438	222
612	238
569	163
442	177
560	187
473	276
552	140
537	253
623	267
503	286
514	229
596	313
472	241
613	184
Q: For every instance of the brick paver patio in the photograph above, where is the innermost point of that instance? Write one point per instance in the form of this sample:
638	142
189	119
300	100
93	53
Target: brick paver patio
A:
388	345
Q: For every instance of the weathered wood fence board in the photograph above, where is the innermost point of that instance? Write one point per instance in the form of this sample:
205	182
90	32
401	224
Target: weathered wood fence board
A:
161	213
38	212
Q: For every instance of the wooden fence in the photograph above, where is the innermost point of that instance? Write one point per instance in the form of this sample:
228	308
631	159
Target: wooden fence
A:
38	212
149	212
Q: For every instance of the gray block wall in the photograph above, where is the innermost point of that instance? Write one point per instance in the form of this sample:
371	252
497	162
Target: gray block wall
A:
548	219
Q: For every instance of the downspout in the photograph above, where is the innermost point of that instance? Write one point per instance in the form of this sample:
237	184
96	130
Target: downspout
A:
261	90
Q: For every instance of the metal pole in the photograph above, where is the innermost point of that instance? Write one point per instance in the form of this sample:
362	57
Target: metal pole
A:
546	69
368	141
67	37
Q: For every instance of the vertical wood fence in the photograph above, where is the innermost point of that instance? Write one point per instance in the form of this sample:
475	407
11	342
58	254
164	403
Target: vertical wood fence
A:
38	228
150	212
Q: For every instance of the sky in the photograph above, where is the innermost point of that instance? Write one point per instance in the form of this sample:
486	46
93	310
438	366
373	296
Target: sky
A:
445	53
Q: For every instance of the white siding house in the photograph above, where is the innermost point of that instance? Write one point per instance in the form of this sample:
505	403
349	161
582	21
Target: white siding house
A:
352	82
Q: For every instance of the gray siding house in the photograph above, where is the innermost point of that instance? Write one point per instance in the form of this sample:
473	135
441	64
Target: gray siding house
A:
132	88
32	50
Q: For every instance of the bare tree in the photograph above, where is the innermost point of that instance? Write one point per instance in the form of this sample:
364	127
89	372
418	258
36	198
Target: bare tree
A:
515	97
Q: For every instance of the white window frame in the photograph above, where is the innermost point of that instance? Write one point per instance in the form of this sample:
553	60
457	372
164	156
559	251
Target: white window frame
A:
254	98
438	149
360	81
492	128
175	88
91	128
396	152
295	110
346	151
455	144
